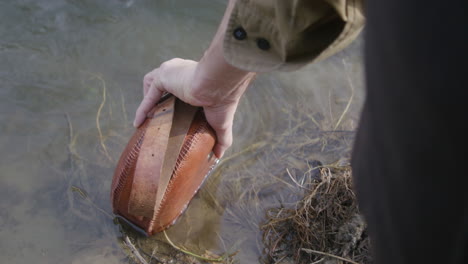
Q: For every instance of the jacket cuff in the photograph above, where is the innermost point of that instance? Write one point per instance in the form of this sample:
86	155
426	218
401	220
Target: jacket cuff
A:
263	36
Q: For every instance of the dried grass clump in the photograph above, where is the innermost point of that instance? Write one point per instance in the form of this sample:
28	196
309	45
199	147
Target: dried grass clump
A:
324	227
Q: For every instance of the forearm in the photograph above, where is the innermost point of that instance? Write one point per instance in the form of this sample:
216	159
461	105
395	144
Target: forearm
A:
211	83
215	79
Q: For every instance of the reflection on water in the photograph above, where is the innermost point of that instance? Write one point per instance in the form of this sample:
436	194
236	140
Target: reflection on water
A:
70	81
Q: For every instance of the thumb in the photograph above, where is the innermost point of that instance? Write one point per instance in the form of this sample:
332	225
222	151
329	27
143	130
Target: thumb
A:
223	142
221	119
152	96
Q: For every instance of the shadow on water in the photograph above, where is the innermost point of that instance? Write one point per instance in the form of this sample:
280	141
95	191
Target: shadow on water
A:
70	82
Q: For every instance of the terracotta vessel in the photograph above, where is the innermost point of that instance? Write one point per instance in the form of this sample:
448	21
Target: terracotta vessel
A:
163	166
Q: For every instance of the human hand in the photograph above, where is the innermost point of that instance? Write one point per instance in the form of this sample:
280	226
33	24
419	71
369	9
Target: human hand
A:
198	84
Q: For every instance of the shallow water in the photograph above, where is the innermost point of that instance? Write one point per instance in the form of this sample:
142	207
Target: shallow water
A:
70	81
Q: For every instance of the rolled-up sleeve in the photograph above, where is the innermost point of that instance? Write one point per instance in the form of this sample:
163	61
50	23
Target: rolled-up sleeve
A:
267	35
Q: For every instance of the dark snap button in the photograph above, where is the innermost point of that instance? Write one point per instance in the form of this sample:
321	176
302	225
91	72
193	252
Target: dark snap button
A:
239	33
263	44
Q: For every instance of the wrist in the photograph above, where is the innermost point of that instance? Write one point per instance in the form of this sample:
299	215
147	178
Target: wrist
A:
217	82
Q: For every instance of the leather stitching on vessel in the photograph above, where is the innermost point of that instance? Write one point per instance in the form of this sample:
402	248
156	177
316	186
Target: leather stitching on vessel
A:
126	167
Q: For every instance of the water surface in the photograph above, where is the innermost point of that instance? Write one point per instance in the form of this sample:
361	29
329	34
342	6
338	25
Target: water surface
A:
70	81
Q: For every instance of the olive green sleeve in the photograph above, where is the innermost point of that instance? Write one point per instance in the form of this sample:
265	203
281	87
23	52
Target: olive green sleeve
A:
266	35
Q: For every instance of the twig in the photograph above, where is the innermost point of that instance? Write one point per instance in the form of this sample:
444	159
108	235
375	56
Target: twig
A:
310	251
69	145
294	180
318	261
85	197
70	130
254	147
98	125
329	106
350	98
220	259
72	153
312	119
134	250
123	107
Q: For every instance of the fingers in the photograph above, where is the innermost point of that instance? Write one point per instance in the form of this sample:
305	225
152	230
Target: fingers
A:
148	80
147	83
221	119
224	141
218	97
152	96
173	76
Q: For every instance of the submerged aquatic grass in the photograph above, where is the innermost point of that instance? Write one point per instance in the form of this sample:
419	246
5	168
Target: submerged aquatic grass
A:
296	187
261	192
